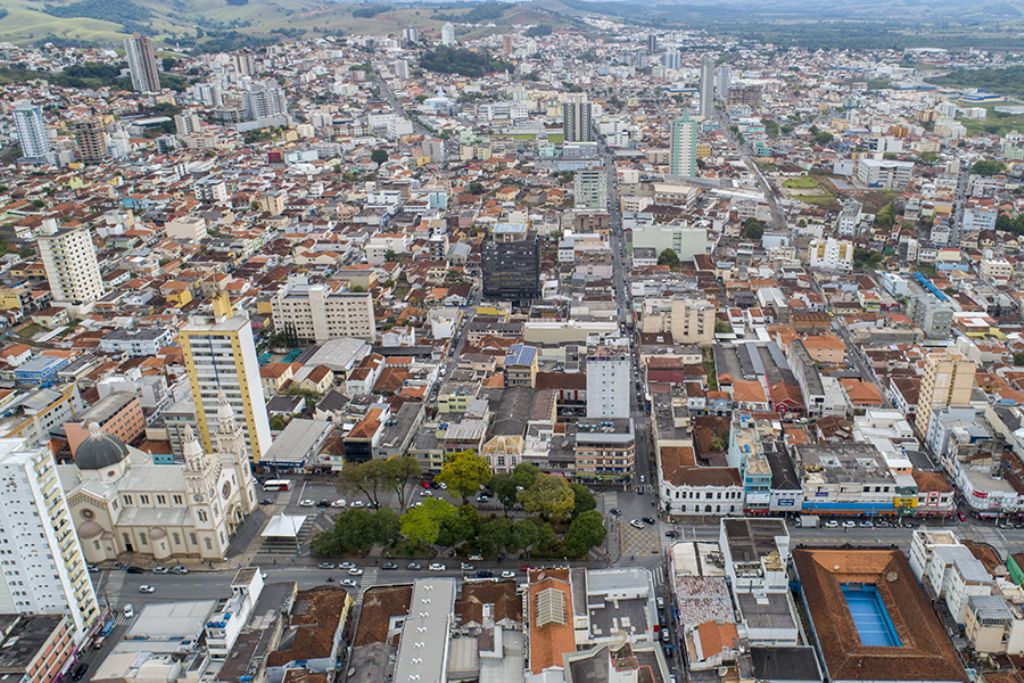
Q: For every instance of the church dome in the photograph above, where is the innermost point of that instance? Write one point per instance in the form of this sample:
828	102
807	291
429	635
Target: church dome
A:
99	450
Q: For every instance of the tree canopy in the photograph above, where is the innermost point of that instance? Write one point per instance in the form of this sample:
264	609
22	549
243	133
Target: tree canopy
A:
464	473
550	496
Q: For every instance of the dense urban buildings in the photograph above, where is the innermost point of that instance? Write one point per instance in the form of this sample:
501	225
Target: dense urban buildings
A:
656	353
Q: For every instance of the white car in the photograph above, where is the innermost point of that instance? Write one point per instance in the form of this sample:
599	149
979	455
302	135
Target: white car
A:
358	504
340	503
306	503
444	486
847	524
508	574
355	571
831	524
426	492
436	567
347	565
147	588
349	583
636	524
129	611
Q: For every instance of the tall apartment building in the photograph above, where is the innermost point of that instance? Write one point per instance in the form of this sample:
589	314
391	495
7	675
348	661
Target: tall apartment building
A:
448	34
888	174
90	141
683	159
186	123
264	99
510	264
707	87
318	312
724	76
44	569
590	189
142	64
690	321
831	254
608	383
577	125
947	381
69	259
220	357
31	129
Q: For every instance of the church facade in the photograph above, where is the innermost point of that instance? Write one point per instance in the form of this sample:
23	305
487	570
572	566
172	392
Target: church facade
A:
123	503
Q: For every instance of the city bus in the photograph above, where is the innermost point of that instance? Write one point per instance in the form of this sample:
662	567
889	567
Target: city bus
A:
277	485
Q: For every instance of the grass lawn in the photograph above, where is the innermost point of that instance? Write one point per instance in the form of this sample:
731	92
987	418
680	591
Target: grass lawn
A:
804	182
994	124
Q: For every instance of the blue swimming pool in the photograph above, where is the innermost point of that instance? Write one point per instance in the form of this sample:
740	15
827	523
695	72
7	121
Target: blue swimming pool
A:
870	617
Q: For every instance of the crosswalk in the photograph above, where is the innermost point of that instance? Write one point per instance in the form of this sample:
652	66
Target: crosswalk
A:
659	576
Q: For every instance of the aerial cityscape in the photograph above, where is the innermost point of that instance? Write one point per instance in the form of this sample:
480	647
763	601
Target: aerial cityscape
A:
539	342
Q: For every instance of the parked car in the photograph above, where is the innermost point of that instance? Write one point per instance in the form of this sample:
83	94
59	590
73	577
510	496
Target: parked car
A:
346	565
340	503
80	671
307	503
867	524
161	570
485	574
355	571
135	570
466	567
671	533
349	583
660	601
648	520
326	565
636	524
389	566
178	569
414	566
129	611
508	574
437	567
848	524
93	568
615	512
831	524
267	501
426	492
358	504
147	588
99	643
323	503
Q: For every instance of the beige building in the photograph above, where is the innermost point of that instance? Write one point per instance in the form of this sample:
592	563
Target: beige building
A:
690	321
318	313
947	381
69	258
122	503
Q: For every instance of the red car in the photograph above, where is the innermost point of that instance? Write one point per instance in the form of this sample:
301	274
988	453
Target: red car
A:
962	516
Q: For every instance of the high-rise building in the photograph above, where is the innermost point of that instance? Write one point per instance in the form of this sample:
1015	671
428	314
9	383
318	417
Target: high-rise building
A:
707	87
142	63
506	44
608	375
264	99
652	43
318	312
28	122
411	34
510	264
220	357
590	189
44	570
577	125
243	63
91	141
724	81
448	34
69	259
186	123
684	146
948	380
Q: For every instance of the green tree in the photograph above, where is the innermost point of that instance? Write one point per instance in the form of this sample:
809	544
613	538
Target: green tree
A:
476	188
422	524
1018	358
866	259
460	528
549	496
753	229
464	473
586	531
668	257
374	476
583	499
379	156
356	529
886	216
988	167
525	535
326	544
496	536
505	488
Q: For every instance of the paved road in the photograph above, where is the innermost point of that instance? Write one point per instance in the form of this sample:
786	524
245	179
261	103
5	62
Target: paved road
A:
778	218
388	94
